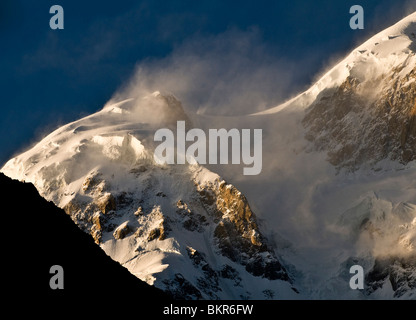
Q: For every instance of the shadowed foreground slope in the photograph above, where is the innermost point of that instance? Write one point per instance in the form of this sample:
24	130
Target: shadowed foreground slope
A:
38	235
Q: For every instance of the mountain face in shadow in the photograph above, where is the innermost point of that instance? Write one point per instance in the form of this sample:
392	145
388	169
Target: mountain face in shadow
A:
38	235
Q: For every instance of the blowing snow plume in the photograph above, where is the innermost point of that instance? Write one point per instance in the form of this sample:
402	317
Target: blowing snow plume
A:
230	74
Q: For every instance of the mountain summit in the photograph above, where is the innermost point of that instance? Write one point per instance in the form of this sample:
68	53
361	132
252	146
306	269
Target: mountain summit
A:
363	110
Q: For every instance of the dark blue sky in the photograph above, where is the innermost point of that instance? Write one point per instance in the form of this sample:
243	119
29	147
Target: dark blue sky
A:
51	77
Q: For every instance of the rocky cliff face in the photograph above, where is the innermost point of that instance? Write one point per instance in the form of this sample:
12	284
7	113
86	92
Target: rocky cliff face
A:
237	233
370	115
356	126
397	272
151	217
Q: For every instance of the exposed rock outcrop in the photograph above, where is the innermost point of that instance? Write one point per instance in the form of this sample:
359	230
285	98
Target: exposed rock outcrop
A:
355	126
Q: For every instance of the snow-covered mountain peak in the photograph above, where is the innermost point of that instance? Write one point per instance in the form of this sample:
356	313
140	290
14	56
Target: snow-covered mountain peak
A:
155	108
184	229
390	48
366	116
179	227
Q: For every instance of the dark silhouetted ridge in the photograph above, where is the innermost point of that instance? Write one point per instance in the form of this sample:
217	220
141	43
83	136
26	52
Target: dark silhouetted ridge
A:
37	235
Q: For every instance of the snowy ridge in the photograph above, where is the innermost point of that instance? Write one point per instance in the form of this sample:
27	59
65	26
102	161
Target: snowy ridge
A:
389	48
